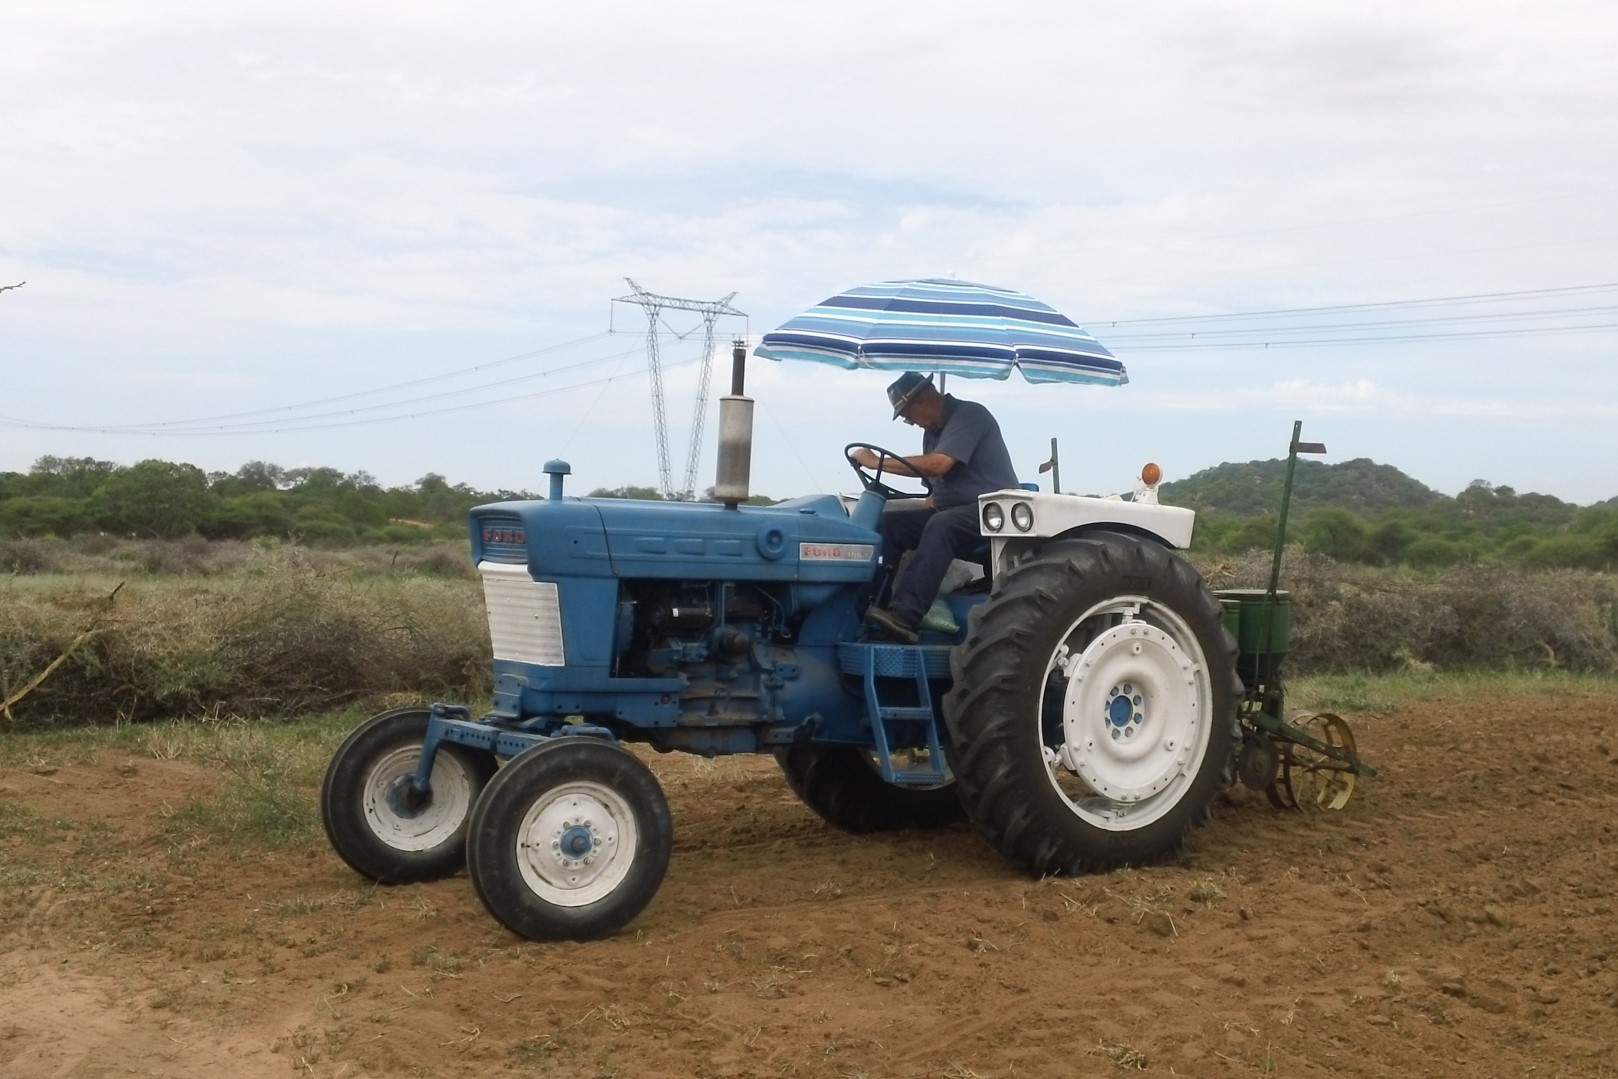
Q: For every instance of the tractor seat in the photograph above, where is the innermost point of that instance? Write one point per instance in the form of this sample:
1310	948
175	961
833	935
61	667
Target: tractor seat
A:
972	572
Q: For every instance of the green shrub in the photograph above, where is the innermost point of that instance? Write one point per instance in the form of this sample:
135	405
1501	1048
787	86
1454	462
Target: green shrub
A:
322	524
261	513
397	535
42	515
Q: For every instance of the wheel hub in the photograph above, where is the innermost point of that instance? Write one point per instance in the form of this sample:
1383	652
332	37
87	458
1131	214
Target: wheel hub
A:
1130	719
576	842
411	817
1258	763
1123	705
407	799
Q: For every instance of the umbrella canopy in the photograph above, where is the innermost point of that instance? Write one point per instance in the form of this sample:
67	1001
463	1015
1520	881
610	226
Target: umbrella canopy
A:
952	327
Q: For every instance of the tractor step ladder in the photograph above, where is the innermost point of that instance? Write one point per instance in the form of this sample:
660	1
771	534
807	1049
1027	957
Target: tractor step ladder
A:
887	663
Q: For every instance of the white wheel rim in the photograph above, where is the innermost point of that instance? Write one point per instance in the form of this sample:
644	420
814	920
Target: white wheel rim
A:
438	821
1134	723
576	844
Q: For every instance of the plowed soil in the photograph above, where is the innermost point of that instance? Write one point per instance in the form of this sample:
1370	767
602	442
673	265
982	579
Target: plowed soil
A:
1457	919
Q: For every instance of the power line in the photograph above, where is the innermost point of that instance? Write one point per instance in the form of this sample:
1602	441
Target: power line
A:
280	415
1372	325
1189	333
518	380
1481	297
367	393
290	429
1529	331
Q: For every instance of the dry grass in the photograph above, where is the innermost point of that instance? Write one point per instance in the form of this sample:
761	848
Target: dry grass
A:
283	634
1356	618
1124	1057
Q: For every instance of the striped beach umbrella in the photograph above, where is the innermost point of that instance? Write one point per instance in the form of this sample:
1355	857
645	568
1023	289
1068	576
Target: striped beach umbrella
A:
951	327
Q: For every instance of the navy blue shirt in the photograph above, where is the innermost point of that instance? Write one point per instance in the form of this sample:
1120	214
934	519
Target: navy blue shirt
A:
968	432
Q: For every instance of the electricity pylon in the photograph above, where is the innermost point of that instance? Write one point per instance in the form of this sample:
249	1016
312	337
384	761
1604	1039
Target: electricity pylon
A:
710	310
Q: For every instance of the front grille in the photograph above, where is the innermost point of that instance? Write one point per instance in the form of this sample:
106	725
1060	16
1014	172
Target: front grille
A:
525	616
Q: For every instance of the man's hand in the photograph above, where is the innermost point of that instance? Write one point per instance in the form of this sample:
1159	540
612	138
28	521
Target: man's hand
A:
927	466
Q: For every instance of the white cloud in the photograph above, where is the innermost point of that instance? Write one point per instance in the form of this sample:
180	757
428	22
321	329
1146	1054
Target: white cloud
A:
299	200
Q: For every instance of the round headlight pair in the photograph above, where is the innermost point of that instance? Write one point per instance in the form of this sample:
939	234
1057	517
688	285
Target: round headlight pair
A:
1022	517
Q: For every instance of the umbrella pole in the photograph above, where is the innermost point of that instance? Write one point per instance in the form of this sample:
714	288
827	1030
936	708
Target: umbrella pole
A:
1054	469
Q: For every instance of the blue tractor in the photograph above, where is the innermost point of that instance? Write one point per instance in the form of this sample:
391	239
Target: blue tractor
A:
1083	716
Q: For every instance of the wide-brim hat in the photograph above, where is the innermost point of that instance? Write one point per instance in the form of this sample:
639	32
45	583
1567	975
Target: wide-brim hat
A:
904	389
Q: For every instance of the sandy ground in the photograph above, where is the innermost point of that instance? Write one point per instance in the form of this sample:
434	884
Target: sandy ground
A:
1455	920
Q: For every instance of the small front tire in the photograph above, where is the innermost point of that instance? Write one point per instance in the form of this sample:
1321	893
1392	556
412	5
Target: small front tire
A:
377	824
570	841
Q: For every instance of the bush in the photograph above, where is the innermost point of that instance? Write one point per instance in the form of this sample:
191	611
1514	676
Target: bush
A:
26	556
42	515
278	638
397	535
442	562
321	524
189	555
1348	618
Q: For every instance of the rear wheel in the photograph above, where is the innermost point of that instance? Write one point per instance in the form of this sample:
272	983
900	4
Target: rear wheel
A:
570	841
376	819
844	785
1094	707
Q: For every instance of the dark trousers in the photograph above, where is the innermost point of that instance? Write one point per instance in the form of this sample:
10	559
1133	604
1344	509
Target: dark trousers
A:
937	537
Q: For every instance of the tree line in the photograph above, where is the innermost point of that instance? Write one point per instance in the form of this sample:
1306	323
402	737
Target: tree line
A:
71	496
1354	512
1369	514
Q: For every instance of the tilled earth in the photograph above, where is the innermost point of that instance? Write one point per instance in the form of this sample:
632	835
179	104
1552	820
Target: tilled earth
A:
1455	920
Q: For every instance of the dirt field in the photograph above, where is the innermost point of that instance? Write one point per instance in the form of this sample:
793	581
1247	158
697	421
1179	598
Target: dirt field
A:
1455	920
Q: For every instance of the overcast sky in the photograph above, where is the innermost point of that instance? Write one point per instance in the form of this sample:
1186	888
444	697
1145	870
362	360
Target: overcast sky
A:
353	213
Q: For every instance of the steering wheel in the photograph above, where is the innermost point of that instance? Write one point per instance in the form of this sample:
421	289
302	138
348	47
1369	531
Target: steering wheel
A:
872	480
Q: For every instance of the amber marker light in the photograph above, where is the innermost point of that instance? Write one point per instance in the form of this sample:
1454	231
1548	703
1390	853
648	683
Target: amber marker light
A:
1151	474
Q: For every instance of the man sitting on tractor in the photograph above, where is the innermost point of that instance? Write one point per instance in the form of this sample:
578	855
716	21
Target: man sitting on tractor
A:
962	457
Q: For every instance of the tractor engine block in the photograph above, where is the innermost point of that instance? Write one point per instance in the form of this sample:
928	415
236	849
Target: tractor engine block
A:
665	627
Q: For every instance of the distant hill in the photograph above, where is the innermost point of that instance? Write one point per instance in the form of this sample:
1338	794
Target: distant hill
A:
1254	487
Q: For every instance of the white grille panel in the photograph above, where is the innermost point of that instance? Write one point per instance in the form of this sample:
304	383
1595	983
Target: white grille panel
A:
525	616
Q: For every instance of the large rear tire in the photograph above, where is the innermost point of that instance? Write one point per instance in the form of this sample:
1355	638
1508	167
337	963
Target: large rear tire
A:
842	784
377	823
1094	706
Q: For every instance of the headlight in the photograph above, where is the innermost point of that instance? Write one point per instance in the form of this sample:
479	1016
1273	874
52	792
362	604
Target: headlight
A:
1022	516
994	517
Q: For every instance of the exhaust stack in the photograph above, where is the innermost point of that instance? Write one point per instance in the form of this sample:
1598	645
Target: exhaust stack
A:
735	435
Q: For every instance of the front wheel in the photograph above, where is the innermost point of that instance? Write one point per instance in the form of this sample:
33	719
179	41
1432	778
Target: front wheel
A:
378	822
1094	706
570	841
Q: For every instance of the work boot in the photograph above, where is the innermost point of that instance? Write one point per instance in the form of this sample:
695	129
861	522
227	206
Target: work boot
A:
892	625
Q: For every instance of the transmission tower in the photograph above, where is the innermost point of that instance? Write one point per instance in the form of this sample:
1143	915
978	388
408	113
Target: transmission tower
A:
710	310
